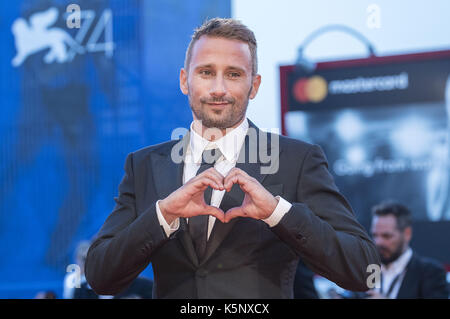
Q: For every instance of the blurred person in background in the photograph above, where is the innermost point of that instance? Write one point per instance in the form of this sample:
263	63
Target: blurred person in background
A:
76	286
304	287
404	273
74	279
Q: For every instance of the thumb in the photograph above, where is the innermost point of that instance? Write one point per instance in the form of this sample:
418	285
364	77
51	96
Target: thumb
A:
214	211
233	213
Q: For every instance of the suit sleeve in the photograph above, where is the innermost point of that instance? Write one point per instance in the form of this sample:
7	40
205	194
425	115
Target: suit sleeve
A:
124	245
434	282
322	229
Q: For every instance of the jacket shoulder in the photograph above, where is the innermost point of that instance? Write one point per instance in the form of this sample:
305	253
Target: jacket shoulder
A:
285	141
299	148
426	263
294	143
161	148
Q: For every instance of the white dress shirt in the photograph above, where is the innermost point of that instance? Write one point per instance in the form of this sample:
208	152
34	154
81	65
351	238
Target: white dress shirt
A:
394	269
230	146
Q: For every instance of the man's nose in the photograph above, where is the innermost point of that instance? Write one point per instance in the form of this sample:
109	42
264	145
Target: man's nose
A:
378	241
218	88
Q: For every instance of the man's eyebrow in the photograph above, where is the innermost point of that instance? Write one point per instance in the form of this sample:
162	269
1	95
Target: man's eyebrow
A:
236	68
211	65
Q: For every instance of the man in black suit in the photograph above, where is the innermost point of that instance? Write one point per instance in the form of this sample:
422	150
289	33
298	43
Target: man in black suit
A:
405	274
228	210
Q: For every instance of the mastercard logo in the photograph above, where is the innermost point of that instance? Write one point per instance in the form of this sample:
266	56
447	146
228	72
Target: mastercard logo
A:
313	89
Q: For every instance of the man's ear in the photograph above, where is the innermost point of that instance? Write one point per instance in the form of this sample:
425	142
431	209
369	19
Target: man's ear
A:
256	82
183	81
408	233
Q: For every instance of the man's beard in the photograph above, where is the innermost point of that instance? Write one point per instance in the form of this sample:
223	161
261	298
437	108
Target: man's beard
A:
393	257
229	117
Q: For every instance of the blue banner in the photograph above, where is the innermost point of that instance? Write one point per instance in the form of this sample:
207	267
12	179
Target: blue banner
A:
82	84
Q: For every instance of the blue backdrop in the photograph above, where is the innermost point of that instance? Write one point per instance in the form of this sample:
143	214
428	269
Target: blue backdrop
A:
75	102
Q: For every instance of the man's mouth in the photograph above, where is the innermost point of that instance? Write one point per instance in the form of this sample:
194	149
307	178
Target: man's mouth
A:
218	106
218	103
383	251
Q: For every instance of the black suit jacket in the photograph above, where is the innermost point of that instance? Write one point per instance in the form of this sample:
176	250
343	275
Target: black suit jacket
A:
245	258
424	278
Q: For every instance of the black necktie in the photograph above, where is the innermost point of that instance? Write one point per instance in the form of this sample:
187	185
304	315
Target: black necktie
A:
198	225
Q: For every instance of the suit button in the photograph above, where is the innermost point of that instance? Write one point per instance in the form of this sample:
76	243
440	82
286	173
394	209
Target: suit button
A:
201	273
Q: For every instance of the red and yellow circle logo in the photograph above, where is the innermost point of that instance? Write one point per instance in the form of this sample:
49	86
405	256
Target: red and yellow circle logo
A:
313	89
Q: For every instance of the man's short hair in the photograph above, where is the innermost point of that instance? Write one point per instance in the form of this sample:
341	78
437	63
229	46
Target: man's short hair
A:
226	28
398	210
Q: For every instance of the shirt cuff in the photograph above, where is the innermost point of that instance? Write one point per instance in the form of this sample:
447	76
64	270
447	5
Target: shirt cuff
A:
282	208
168	229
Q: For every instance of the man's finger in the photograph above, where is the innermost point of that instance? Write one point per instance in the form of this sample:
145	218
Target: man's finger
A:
214	211
213	174
231	178
243	181
202	183
237	175
233	213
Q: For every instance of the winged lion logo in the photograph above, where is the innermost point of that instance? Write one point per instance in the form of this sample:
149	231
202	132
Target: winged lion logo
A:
37	35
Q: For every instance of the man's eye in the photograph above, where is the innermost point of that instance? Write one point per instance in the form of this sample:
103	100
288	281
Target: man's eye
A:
234	74
205	72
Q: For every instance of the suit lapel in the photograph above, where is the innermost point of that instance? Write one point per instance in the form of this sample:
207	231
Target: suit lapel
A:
186	241
409	281
167	168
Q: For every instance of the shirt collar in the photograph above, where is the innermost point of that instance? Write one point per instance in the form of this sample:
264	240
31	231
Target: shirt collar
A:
230	144
400	263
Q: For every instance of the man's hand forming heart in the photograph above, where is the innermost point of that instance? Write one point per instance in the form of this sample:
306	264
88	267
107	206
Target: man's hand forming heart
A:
188	200
258	202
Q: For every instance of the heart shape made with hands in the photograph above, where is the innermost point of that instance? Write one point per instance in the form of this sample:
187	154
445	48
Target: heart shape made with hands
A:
258	202
189	200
